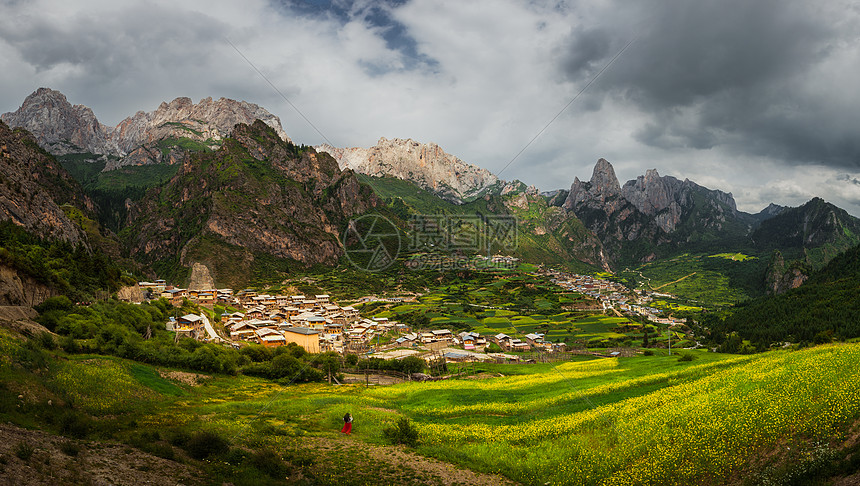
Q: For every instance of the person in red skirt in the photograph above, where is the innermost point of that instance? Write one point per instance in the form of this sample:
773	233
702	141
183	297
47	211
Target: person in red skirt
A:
347	424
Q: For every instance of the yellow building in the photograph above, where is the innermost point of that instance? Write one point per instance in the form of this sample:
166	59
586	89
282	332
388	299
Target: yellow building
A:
304	337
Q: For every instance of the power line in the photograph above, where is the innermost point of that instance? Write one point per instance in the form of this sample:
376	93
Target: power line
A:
279	91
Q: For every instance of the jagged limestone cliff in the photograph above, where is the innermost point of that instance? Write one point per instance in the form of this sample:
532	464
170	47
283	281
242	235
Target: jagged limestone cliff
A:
425	164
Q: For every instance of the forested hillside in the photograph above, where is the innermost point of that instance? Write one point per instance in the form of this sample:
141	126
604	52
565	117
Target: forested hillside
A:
826	307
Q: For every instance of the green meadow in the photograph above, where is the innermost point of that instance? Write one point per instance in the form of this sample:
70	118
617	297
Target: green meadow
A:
702	280
695	418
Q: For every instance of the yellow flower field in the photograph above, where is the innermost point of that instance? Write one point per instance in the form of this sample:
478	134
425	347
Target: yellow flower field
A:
706	423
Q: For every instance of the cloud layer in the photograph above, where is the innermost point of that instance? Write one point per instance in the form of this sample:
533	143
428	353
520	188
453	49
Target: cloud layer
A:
757	98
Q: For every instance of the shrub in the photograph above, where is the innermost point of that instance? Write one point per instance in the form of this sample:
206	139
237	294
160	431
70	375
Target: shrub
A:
179	438
204	444
74	424
403	432
269	463
686	357
24	451
162	450
493	348
60	302
69	345
648	352
46	340
236	456
412	364
70	448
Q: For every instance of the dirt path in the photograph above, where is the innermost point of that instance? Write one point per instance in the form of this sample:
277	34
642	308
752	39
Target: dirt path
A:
674	282
425	470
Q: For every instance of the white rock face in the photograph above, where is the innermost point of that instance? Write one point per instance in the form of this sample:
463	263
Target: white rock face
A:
62	128
59	126
425	164
207	120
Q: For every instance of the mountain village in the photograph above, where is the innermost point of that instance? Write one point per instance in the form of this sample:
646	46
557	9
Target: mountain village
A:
318	324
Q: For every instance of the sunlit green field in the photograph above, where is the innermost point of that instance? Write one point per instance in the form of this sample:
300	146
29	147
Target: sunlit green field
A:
644	420
703	279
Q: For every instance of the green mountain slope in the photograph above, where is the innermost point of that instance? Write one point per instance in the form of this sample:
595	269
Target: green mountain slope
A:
255	199
825	307
545	234
815	232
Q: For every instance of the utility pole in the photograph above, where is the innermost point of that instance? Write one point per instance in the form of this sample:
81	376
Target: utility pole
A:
669	328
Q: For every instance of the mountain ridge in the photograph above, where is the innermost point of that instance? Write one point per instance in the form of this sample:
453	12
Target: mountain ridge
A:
426	164
143	138
256	195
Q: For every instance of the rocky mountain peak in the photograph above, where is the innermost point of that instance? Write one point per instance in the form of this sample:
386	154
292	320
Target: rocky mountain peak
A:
603	179
649	193
651	207
59	126
63	128
207	121
425	164
603	188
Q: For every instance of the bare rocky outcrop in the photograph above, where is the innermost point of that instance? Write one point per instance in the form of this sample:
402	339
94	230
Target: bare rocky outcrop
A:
62	128
425	164
17	289
651	208
781	278
130	293
59	126
32	187
603	188
201	278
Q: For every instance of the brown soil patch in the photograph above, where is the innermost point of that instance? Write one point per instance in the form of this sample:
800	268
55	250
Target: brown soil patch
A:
401	458
193	379
95	463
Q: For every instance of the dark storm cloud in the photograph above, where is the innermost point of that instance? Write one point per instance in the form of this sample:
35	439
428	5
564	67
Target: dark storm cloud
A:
376	15
848	178
591	46
734	73
86	40
121	61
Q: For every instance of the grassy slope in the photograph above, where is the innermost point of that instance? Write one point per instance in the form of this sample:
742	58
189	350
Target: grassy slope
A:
706	279
630	421
594	421
542	246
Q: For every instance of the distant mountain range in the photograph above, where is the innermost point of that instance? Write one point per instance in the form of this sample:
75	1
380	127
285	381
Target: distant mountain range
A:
190	183
160	136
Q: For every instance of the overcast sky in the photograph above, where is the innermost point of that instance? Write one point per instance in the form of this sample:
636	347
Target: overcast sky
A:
758	98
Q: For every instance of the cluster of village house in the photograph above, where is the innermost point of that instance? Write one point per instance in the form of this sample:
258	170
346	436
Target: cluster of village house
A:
612	294
318	324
